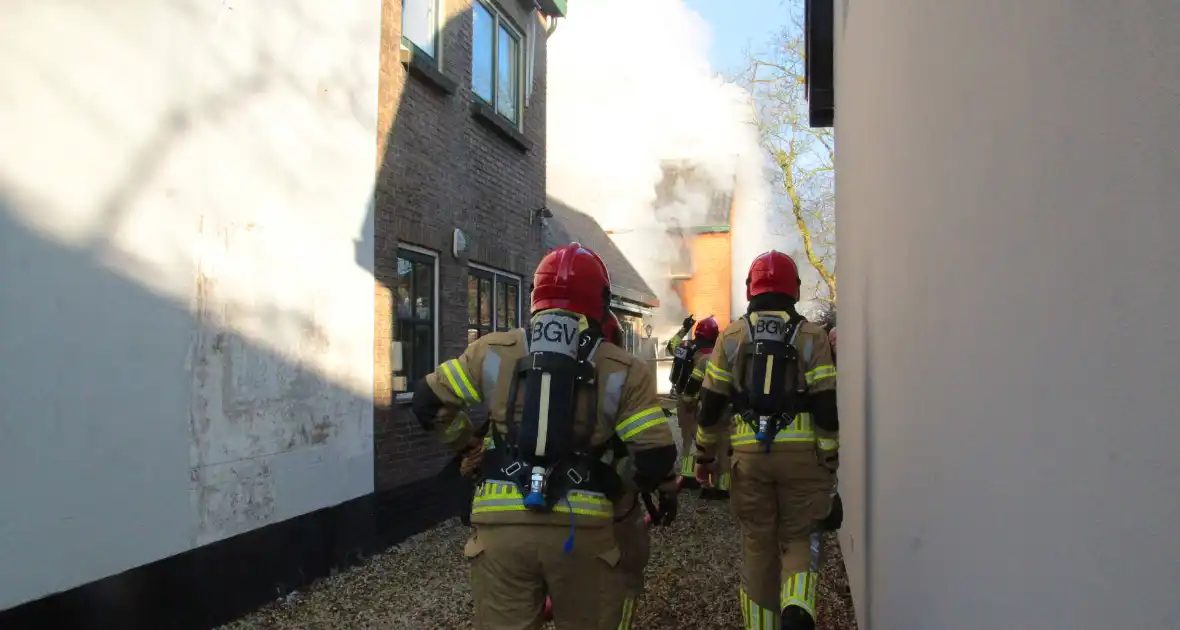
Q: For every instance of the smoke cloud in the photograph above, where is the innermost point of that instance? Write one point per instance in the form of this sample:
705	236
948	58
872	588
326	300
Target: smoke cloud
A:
630	88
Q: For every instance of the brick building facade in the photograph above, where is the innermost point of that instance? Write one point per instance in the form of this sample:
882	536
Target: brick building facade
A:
460	190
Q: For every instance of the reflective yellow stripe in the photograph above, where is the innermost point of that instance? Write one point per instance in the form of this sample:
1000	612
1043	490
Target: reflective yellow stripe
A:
724	482
698	374
819	373
502	496
687	466
801	430
455	430
717	373
705	439
460	384
640	422
755	617
828	444
628	612
799	590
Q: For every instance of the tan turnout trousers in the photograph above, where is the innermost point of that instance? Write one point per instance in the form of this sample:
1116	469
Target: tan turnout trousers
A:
777	499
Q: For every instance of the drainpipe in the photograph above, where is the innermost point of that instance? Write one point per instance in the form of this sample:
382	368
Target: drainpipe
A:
532	50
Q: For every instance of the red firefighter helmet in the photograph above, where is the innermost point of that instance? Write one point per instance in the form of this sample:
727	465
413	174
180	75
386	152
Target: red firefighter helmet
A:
612	331
573	278
773	272
707	329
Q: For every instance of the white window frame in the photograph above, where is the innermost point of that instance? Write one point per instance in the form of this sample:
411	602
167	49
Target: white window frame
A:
434	306
630	307
439	23
519	292
499	19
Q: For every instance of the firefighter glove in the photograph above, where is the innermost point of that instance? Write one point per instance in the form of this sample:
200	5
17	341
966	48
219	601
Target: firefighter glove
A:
472	459
688	322
706	472
668	504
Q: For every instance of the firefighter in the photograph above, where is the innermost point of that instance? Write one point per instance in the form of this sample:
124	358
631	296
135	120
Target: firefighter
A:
832	340
776	369
693	355
630	529
543	511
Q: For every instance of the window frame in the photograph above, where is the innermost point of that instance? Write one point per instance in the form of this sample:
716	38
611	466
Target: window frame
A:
628	333
439	23
433	257
500	19
478	271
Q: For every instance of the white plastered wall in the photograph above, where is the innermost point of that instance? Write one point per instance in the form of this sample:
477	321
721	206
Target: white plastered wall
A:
186	295
1009	231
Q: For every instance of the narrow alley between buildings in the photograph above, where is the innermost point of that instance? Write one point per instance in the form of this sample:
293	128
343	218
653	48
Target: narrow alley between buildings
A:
692	582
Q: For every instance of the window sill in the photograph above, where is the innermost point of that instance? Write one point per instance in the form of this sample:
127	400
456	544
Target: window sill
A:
488	116
425	68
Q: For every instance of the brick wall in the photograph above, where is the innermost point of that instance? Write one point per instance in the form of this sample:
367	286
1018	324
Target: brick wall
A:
442	166
708	291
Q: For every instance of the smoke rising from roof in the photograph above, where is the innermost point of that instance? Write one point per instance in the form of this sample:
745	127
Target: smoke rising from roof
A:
631	95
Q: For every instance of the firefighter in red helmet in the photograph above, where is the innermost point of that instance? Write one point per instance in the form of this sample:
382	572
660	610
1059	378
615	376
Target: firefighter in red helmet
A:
544	510
776	369
630	530
690	357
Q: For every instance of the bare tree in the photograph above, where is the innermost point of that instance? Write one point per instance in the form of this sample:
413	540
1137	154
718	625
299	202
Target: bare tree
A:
804	157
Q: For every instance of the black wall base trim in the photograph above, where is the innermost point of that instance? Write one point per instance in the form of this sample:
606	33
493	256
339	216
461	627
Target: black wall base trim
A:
220	582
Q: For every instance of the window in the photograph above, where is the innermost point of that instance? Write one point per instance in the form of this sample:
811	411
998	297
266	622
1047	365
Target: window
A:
420	24
414	301
630	327
681	265
496	61
493	302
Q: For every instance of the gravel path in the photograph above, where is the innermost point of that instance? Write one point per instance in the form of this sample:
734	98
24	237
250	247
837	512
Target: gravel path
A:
692	582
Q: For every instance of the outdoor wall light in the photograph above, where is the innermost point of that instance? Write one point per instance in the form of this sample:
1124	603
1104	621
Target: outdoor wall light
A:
539	215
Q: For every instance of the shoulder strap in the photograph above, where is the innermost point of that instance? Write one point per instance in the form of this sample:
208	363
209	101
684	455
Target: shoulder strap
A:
588	389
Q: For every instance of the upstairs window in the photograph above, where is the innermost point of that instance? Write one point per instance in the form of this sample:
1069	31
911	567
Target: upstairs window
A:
496	61
420	24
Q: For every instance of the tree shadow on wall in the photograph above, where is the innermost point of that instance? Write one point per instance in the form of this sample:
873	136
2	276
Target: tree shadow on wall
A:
89	475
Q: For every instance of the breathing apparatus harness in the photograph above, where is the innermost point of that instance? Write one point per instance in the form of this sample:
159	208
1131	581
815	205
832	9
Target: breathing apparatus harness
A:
682	365
771	396
544	454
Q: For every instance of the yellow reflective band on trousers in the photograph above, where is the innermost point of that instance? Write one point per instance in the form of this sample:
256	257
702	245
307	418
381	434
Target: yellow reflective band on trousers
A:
801	430
628	613
640	422
819	373
799	590
717	373
687	466
503	496
828	444
756	617
459	382
698	374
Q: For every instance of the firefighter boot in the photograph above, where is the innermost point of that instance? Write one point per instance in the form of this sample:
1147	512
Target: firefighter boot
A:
795	618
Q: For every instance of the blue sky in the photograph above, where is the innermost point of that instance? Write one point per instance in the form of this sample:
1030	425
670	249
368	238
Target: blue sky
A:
739	25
